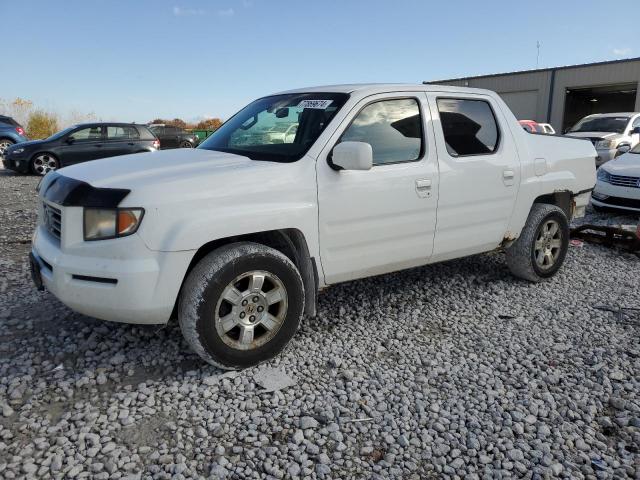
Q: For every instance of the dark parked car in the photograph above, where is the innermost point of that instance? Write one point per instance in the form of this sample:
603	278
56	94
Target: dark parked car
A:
174	137
11	132
80	143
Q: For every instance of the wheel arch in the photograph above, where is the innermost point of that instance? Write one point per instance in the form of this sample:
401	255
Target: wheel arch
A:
290	242
561	199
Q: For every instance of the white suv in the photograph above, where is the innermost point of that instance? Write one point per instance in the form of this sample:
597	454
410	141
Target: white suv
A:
238	236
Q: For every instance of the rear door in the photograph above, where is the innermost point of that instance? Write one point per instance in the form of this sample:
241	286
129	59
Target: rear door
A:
479	174
83	144
120	140
383	219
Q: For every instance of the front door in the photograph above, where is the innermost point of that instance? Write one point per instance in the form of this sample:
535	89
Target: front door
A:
383	219
479	174
84	144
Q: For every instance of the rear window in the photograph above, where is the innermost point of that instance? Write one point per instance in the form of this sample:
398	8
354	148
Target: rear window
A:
121	132
145	133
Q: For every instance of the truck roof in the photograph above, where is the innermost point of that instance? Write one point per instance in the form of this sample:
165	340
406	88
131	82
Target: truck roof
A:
372	88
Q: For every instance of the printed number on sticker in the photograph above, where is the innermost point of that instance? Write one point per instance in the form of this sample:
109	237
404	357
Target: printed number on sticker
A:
320	104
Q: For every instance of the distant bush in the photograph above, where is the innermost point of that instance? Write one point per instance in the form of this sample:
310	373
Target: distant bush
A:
41	124
208	124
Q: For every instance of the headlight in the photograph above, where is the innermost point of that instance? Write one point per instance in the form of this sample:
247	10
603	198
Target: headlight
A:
105	223
605	144
17	150
603	175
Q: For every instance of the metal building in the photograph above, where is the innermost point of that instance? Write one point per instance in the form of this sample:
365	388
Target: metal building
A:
563	95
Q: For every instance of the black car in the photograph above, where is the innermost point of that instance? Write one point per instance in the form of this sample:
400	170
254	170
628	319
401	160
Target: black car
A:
173	137
80	143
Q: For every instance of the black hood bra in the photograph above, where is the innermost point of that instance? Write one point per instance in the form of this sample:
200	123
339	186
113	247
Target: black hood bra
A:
70	192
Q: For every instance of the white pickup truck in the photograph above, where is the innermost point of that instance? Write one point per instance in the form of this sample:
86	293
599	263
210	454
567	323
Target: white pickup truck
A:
237	237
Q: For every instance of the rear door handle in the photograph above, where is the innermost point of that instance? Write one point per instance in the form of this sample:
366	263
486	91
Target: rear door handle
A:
508	177
423	187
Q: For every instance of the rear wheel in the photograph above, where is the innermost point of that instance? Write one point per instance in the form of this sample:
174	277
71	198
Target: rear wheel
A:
4	144
540	250
44	163
241	305
186	144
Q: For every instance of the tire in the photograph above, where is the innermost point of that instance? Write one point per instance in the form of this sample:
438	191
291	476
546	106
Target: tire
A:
215	319
186	144
43	163
538	240
4	144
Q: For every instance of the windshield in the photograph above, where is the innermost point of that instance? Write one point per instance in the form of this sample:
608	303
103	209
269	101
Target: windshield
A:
60	134
601	124
280	128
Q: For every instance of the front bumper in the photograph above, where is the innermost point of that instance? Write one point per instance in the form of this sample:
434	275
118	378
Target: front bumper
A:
614	196
16	163
140	286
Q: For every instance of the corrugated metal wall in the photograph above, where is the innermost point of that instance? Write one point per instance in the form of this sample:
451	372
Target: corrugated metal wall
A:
527	93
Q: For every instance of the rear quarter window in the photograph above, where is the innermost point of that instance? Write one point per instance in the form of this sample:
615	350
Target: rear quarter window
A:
145	133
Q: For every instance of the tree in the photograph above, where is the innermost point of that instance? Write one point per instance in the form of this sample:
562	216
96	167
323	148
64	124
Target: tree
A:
41	124
208	124
19	109
176	122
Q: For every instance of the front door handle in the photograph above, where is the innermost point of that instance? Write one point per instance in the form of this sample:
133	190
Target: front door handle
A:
423	187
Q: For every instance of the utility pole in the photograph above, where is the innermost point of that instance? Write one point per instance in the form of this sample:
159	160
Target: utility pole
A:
538	55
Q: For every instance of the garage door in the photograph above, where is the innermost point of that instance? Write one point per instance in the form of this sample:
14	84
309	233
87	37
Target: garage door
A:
524	105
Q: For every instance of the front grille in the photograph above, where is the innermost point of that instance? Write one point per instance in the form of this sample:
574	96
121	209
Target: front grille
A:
624	181
52	219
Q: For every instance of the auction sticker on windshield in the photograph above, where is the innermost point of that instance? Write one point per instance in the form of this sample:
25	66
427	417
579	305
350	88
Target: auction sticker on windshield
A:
319	104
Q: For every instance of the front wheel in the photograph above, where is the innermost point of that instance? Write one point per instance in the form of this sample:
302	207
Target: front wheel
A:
241	305
44	163
540	250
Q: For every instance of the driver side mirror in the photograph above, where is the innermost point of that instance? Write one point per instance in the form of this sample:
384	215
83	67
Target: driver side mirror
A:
352	156
635	131
70	140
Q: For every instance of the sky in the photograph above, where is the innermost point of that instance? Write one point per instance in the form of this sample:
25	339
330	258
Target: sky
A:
139	60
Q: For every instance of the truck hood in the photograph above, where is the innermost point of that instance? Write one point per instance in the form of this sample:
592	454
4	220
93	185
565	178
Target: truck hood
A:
157	168
607	135
627	164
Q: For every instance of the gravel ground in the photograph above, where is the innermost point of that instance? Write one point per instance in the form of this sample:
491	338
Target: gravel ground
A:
453	370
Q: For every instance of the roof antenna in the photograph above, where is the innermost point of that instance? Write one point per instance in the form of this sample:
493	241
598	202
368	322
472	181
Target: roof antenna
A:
538	55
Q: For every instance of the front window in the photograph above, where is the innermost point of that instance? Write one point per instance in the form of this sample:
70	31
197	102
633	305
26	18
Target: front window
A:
601	124
87	134
393	128
280	128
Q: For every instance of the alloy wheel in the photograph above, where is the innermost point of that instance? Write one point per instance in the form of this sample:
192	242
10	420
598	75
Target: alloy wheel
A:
4	144
44	163
251	310
548	244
